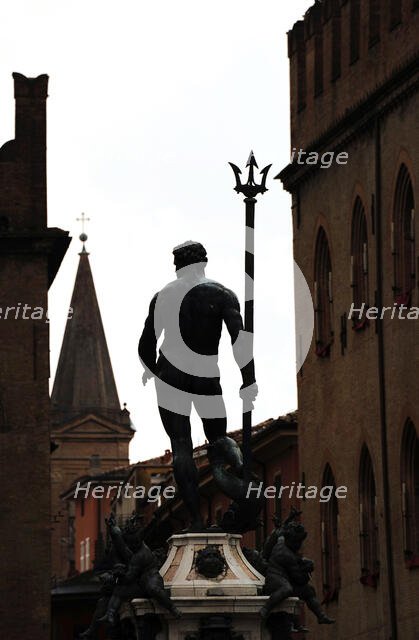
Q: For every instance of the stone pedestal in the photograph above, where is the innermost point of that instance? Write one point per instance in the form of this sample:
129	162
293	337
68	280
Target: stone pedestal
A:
215	588
194	556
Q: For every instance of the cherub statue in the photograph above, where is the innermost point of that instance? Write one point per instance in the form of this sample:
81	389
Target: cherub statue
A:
134	575
278	532
288	573
141	577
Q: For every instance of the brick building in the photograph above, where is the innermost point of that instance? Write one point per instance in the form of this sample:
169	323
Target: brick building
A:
88	425
354	71
30	255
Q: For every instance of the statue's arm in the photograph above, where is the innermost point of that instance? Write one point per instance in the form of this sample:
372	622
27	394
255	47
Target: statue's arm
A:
123	551
147	345
234	323
269	544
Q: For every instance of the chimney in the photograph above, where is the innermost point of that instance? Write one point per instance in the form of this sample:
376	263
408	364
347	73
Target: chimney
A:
30	135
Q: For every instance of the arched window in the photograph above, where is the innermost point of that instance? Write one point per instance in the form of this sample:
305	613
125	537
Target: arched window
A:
323	295
359	264
368	521
318	61
329	539
301	72
410	493
403	238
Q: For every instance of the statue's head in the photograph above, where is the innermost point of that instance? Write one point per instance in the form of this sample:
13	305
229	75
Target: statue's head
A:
133	532
189	253
294	535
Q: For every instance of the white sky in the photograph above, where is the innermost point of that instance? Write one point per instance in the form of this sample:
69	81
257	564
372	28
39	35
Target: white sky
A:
148	103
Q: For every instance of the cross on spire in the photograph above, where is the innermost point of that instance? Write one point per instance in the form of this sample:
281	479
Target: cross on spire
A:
83	235
83	220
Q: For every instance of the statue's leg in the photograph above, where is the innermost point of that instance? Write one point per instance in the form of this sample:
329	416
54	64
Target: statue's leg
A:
178	428
100	611
121	593
308	594
112	608
227	450
214	428
284	591
154	586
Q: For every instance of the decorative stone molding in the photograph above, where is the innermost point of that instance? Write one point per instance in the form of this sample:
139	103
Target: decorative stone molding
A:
181	571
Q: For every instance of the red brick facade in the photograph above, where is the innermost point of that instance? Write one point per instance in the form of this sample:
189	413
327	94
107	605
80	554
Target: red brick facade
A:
361	394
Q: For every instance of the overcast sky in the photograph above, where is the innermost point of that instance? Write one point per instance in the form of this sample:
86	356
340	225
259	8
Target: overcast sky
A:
148	103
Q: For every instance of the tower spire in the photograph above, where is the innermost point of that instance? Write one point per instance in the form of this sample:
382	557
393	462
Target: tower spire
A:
84	379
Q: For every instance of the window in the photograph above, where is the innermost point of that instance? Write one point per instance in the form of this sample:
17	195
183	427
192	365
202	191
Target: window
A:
410	493
403	238
301	76
82	557
368	521
374	22
355	30
359	263
323	295
395	13
318	63
87	554
71	540
329	540
336	43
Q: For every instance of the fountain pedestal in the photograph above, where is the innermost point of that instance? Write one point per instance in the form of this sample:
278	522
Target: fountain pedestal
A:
217	590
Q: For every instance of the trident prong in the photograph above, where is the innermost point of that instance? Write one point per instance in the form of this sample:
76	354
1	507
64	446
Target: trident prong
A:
250	189
237	173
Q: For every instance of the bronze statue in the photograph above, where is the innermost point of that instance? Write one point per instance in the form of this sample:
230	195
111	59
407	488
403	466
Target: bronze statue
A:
288	572
191	311
135	574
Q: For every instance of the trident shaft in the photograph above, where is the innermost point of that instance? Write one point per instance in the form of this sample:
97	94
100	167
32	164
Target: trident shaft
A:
250	190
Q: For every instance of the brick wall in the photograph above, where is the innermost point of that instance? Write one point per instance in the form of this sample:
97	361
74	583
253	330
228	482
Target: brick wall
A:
339	398
29	257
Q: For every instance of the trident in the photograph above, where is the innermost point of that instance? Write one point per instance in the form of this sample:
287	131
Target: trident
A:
250	190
